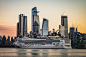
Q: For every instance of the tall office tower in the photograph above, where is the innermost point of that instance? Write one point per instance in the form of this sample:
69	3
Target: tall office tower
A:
72	30
18	29
45	27
21	24
64	22
24	25
35	21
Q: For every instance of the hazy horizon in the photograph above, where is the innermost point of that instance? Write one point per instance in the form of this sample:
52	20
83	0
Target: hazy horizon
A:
49	9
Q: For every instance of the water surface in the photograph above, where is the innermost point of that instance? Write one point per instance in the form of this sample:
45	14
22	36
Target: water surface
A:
18	52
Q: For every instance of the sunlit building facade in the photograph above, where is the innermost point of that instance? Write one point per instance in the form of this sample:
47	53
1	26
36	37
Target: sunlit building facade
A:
35	22
64	22
45	27
22	26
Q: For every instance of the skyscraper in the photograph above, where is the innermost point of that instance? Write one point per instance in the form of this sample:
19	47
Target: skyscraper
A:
8	38
35	21
22	25
18	29
64	26
12	39
72	32
4	39
45	27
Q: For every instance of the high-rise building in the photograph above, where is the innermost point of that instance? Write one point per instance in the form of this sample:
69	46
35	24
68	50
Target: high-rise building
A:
72	32
45	27
35	22
22	25
0	37
25	25
4	39
64	27
18	33
12	39
8	38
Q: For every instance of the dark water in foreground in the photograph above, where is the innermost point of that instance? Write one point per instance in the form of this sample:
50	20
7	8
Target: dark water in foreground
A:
17	52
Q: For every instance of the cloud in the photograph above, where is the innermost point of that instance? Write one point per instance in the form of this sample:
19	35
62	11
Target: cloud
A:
8	30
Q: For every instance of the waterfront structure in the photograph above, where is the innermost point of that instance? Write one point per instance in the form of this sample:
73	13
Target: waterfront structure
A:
45	27
35	22
64	26
22	26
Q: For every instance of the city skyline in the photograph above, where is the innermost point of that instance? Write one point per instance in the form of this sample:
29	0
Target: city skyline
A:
52	10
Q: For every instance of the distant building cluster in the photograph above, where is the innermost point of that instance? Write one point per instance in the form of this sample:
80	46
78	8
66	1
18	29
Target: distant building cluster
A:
35	26
6	41
78	40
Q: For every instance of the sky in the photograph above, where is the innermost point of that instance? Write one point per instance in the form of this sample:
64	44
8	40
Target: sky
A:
49	9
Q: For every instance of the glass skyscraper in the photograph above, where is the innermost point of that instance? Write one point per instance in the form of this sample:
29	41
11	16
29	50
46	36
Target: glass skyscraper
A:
35	21
45	27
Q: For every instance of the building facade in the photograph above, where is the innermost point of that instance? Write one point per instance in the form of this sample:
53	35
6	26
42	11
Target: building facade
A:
45	27
62	30
64	23
22	26
35	22
18	33
72	33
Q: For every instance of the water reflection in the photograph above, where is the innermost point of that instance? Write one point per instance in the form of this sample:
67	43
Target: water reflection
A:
42	52
20	54
34	53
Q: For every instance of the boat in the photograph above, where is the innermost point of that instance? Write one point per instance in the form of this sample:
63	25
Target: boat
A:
49	43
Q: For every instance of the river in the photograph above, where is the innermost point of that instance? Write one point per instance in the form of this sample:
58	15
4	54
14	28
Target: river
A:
18	52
